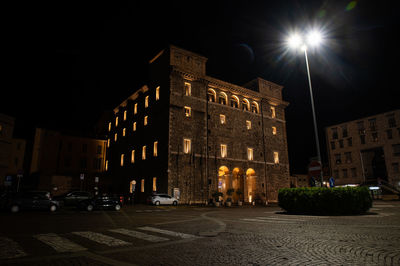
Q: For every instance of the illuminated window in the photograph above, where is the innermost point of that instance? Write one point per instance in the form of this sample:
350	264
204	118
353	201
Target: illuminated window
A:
116	121
235	101
273	114
144	153
115	137
248	124
223	150
157	93
142	185
254	107
273	130
122	159
276	157
109	126
222	118
188	89
106	165
125	112
250	154
145	120
123	132
135	109
133	156
245	105
188	111
187	143
146	102
154	183
134	126
155	152
108	143
223	99
212	95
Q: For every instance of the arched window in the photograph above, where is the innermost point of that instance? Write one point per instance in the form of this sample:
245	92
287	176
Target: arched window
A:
223	99
235	101
211	95
254	107
245	105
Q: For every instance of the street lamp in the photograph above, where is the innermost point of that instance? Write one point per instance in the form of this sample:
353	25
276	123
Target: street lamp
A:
312	39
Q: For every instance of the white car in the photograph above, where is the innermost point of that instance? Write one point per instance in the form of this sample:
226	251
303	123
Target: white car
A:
163	199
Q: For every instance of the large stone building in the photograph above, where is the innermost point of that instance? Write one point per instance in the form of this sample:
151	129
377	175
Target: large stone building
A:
189	135
366	150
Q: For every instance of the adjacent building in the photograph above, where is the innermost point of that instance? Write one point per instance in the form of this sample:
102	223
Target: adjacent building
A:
366	149
191	135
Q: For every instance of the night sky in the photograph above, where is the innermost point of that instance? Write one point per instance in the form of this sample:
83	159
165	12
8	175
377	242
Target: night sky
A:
66	62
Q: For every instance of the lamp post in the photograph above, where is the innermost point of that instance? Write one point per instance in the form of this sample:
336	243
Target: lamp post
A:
313	39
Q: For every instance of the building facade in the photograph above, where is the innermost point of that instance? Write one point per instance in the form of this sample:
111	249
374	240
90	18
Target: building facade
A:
6	145
190	135
366	149
59	160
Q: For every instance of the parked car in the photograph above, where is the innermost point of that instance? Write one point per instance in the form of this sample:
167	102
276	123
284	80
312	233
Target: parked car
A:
73	198
101	202
30	200
162	199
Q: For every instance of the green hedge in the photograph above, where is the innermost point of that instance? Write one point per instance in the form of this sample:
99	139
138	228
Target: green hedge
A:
325	201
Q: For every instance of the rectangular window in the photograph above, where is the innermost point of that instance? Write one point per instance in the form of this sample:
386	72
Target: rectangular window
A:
155	152
341	145
374	136
145	121
116	121
144	153
273	130
333	145
99	149
115	137
188	111
338	158
396	149
123	132
344	172
134	126
222	118
157	93
360	127
350	142
389	134
125	115
146	102
334	133
353	172
187	143
344	131
108	143
109	126
154	183
372	124
188	89
395	167
248	124
135	109
106	165
133	156
223	150
276	157
362	139
273	113
391	120
142	185
122	159
348	158
250	154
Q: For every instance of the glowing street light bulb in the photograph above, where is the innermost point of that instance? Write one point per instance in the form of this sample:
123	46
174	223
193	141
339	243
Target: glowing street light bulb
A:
314	38
295	41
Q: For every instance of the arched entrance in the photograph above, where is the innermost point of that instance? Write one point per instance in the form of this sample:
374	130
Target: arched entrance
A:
238	184
223	179
250	184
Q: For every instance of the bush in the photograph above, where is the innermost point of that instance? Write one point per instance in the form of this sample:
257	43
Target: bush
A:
325	201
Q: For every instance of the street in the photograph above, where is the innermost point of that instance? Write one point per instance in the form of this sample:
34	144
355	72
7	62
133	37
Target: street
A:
193	235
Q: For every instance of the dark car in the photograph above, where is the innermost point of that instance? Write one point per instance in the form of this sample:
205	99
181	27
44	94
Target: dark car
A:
30	200
73	198
101	202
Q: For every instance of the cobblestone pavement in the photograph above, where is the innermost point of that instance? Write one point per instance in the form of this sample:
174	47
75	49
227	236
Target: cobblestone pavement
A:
248	235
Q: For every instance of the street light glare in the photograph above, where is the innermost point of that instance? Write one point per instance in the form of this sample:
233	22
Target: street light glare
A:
314	38
295	41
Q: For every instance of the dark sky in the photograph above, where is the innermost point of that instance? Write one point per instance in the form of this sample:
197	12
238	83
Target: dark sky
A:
67	62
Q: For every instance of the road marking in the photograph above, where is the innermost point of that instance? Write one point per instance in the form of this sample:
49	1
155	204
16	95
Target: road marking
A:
266	221
60	244
9	249
166	232
139	235
102	239
280	219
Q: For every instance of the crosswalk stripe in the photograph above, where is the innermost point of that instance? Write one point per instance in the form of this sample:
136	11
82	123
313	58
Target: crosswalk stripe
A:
139	235
60	244
9	249
166	232
102	239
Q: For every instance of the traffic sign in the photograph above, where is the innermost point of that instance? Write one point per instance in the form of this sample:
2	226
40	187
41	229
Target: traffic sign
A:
314	169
